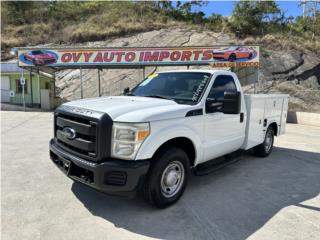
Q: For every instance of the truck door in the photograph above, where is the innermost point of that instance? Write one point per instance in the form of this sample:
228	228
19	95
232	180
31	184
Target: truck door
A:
224	132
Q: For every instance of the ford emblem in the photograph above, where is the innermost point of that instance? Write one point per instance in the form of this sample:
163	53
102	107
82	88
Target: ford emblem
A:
69	133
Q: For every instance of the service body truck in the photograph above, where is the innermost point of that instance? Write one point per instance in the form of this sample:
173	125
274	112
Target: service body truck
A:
169	125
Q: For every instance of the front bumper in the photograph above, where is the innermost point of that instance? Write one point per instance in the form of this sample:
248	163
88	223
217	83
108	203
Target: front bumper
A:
112	176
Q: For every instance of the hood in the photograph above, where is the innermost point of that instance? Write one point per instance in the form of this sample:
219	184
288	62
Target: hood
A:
134	109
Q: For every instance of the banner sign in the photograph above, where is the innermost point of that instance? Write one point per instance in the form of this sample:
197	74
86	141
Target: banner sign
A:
219	56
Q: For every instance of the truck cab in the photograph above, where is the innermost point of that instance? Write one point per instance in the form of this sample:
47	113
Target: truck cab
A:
169	125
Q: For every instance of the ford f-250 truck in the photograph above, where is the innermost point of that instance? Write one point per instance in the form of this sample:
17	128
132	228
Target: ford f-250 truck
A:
169	125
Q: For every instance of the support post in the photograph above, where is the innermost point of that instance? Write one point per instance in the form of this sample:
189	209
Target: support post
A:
255	83
31	91
81	80
23	93
54	84
99	83
38	76
144	72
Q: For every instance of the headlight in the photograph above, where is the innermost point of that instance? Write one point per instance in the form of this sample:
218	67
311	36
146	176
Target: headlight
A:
127	139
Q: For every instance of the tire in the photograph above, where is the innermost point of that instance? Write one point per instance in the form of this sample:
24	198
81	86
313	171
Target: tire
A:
232	57
164	185
265	148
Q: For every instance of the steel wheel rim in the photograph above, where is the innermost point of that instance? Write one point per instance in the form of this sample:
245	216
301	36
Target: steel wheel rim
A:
268	141
172	179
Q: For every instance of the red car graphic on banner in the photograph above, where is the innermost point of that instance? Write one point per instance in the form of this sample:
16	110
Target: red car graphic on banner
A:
40	57
233	53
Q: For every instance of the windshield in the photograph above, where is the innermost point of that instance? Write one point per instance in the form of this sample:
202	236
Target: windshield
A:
182	87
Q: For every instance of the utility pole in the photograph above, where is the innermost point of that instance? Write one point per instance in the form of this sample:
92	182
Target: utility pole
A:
309	9
303	3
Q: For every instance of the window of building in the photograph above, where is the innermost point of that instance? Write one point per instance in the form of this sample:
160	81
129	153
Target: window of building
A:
19	87
47	85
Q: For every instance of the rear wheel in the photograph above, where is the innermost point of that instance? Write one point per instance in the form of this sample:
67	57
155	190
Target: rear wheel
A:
265	148
167	177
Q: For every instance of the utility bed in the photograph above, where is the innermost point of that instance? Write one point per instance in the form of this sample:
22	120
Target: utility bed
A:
262	110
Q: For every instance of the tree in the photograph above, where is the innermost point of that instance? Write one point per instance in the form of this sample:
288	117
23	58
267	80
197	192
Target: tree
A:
215	22
185	9
252	17
310	16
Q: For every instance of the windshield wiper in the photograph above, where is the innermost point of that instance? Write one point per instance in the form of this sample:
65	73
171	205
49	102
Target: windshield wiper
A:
158	96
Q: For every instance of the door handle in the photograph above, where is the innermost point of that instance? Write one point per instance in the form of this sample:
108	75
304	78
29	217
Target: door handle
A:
241	117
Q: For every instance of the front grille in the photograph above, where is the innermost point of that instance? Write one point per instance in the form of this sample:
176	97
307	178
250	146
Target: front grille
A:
92	133
85	141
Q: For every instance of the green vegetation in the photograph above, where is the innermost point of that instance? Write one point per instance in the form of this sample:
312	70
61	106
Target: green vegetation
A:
30	23
248	17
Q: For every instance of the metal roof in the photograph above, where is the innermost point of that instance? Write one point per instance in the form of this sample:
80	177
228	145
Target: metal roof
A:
10	67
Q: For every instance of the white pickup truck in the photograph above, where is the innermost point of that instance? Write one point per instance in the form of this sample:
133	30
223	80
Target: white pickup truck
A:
169	125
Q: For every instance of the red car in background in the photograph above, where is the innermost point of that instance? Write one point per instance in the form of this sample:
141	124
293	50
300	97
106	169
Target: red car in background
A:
40	57
233	53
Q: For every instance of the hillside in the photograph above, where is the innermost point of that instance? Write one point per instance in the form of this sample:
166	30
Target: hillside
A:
291	71
290	51
73	22
30	23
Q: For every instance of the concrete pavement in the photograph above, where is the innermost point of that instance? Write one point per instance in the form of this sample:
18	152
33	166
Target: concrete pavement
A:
272	198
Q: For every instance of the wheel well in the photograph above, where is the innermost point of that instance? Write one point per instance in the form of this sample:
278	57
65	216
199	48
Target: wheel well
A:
181	142
275	128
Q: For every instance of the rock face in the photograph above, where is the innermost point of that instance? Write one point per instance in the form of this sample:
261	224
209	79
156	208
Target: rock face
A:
293	72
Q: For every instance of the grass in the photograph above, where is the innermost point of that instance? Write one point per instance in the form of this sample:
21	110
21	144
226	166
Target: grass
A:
108	20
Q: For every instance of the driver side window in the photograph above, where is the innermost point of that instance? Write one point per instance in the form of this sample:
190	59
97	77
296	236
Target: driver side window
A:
222	83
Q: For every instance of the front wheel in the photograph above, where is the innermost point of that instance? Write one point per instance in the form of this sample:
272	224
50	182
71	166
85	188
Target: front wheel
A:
167	178
265	148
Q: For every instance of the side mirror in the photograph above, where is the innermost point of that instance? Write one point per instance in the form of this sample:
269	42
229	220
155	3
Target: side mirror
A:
232	102
126	91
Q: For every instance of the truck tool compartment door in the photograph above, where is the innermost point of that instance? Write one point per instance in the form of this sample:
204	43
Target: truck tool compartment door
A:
263	109
224	132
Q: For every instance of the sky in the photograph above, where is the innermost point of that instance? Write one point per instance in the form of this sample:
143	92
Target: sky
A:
291	8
